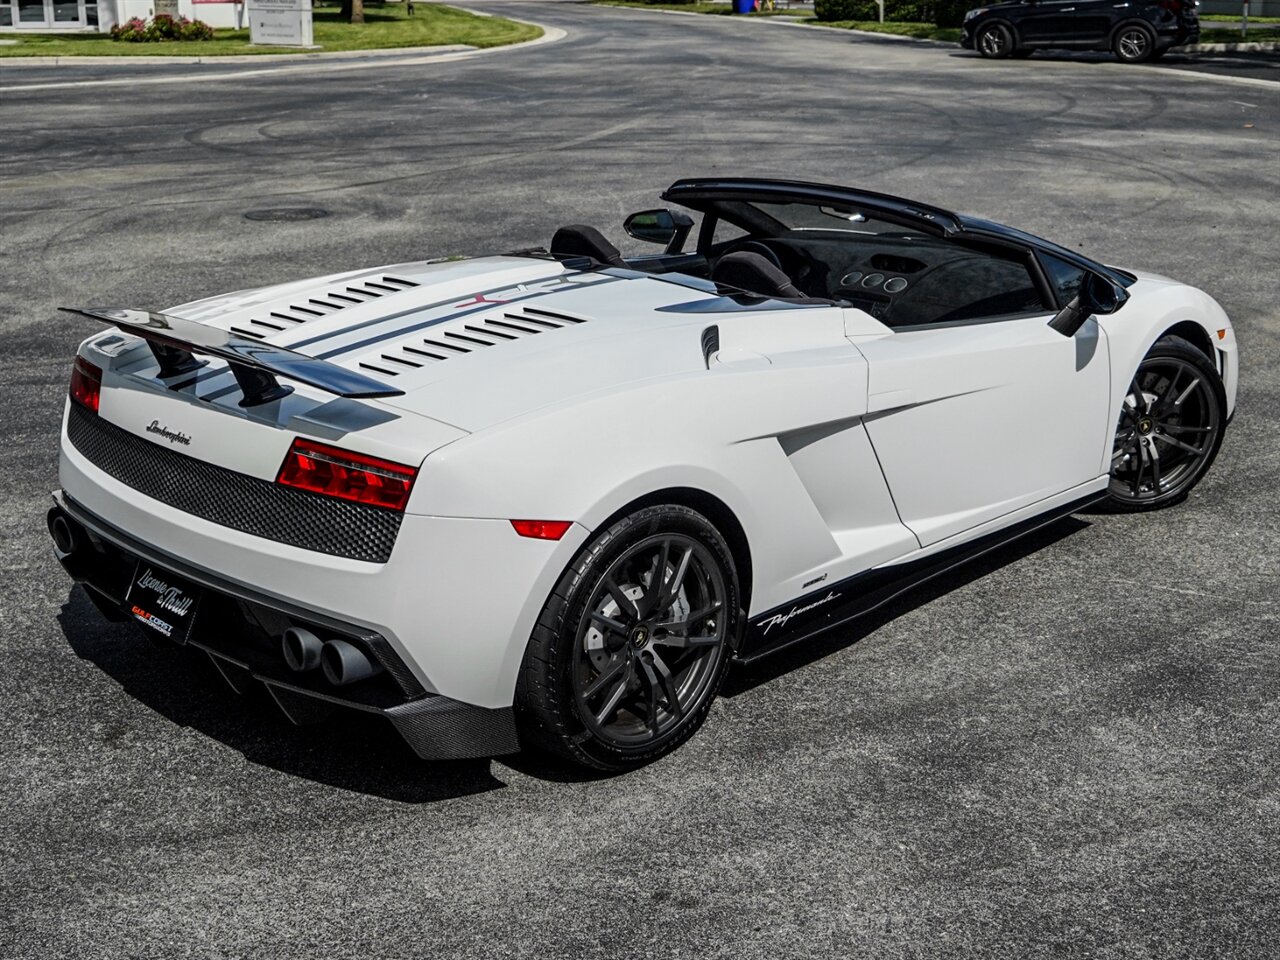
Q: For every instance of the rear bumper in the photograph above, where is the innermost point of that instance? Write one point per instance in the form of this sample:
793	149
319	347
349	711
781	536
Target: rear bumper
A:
239	629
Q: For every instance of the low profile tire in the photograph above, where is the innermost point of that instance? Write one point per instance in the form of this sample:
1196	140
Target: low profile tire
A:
1022	53
632	645
1171	425
994	41
1134	43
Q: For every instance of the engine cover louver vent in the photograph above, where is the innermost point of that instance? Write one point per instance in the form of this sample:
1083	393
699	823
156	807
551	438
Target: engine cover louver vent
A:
472	337
339	298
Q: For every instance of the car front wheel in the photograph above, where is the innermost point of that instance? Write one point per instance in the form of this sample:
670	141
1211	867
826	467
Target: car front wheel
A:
1134	44
1170	427
633	643
995	41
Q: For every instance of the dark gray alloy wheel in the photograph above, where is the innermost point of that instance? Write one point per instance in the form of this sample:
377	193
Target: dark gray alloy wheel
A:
633	644
1170	427
1134	44
995	41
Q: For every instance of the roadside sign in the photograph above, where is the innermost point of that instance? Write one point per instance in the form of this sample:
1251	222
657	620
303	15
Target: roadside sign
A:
280	23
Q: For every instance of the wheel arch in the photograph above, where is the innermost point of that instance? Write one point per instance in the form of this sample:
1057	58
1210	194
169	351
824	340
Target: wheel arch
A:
714	509
1195	334
1001	21
1130	22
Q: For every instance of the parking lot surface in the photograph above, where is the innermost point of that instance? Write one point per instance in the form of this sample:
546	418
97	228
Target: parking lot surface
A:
1071	749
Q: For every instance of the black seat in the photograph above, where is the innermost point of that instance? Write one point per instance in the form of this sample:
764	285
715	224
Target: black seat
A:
755	273
580	240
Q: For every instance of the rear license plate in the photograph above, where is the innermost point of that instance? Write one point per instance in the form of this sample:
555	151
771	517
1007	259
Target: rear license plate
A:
163	602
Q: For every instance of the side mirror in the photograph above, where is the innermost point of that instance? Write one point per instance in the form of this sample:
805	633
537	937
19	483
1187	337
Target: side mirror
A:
667	227
1097	295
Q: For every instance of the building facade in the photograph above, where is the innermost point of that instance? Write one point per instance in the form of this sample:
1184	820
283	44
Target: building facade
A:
52	16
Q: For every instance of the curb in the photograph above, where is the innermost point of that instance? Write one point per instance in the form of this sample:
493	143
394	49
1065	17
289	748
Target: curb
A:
549	35
425	53
159	60
1242	46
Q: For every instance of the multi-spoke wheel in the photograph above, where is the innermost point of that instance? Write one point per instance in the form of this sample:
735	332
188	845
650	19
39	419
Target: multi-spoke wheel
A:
1134	43
631	648
995	41
1170	427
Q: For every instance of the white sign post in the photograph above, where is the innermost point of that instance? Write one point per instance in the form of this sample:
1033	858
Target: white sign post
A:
280	23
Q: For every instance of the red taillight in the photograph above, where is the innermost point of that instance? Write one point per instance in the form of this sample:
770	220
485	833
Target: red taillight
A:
542	529
346	475
86	384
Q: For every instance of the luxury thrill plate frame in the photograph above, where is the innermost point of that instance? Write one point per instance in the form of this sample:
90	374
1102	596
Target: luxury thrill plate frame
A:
162	601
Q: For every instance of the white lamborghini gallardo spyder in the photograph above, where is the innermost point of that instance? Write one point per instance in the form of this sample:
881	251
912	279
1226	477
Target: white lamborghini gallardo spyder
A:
545	499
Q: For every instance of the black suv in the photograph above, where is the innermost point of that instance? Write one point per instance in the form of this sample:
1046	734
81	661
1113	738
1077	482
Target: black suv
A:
1134	30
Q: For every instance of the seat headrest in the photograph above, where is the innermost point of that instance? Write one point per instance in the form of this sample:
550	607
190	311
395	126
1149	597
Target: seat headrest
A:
580	240
755	273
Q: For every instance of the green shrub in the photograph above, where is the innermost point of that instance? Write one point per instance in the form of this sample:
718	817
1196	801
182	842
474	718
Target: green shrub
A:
950	13
829	10
908	11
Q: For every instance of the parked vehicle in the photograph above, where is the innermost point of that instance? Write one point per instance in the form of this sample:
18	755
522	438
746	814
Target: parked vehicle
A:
1134	30
547	498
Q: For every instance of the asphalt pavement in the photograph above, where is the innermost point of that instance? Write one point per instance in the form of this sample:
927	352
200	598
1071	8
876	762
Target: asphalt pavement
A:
1069	750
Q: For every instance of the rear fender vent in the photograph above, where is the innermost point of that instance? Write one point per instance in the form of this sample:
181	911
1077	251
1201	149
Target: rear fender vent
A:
473	337
339	298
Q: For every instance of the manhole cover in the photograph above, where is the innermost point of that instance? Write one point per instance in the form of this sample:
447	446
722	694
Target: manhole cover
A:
286	214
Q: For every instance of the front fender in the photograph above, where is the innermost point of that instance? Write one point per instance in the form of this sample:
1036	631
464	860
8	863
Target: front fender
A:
1155	307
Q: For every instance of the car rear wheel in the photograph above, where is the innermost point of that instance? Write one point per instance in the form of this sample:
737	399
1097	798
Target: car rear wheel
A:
632	645
1170	428
1134	43
995	41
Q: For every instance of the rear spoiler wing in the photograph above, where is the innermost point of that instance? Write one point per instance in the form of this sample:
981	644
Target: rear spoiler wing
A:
255	364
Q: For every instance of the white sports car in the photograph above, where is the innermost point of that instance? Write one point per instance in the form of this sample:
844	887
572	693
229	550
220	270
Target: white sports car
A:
544	499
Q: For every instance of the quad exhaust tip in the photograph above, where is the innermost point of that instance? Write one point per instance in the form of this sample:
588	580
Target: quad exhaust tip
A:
345	663
301	649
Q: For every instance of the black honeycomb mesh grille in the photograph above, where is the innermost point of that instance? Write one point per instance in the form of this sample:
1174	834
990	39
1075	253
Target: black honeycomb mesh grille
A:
259	507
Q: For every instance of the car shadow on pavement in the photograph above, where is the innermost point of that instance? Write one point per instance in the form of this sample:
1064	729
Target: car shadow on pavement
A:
351	750
744	678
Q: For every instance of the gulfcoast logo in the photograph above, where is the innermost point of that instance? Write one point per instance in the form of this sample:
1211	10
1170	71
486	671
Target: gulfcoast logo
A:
173	436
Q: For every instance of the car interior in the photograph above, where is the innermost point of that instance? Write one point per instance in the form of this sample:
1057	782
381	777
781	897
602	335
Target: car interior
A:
813	253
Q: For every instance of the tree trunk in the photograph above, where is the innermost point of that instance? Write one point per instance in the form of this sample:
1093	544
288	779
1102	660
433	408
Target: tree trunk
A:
357	10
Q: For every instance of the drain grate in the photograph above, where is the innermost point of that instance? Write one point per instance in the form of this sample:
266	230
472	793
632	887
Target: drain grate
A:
286	214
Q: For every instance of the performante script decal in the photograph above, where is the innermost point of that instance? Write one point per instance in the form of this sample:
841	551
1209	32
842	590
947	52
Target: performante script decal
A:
173	436
168	598
780	619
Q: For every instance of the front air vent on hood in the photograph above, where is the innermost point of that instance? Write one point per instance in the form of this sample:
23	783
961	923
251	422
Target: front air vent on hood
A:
331	301
455	341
